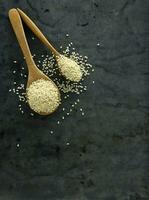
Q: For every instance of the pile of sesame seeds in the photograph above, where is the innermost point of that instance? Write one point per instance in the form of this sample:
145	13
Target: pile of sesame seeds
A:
43	96
69	68
49	66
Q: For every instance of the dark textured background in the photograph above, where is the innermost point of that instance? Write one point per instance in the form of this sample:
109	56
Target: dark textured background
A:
108	154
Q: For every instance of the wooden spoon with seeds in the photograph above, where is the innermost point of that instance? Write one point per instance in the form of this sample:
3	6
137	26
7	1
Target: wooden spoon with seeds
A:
34	73
68	67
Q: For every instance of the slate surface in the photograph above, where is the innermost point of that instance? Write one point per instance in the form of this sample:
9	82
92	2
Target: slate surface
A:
107	158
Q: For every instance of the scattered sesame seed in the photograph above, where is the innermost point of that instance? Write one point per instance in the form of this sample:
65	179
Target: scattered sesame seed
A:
82	113
81	109
18	145
33	38
98	44
14	61
93	82
51	132
67	35
58	122
67	143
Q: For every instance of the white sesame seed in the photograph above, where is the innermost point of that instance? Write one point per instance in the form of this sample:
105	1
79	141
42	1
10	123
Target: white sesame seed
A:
18	145
98	44
14	61
51	132
82	113
67	143
67	35
58	122
93	82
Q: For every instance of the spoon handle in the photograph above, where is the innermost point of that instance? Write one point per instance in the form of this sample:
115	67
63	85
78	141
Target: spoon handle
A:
37	31
19	31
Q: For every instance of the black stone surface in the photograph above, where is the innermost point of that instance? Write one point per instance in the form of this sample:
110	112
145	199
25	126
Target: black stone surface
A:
107	158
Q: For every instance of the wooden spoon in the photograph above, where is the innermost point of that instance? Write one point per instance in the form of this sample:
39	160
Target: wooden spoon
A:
57	55
33	72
